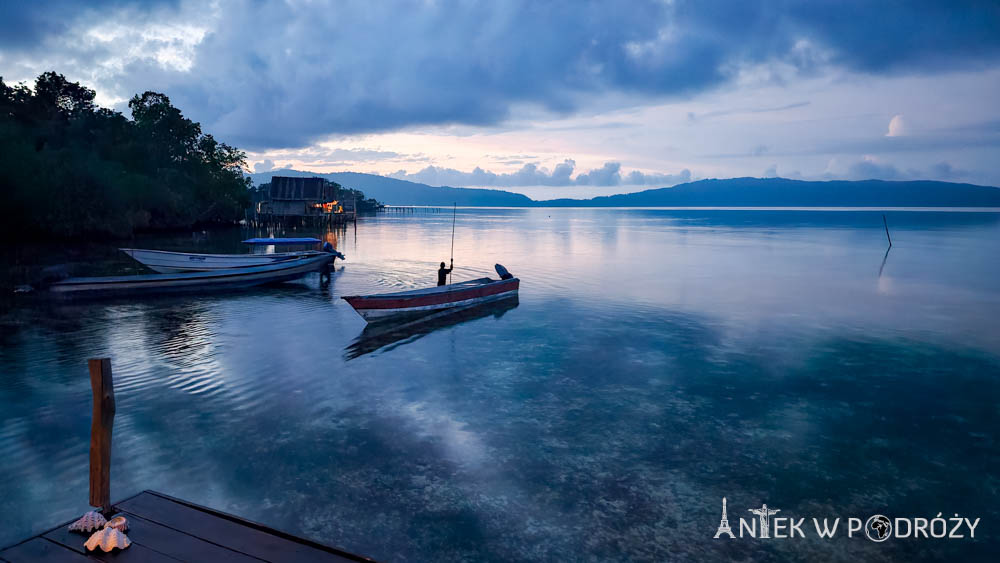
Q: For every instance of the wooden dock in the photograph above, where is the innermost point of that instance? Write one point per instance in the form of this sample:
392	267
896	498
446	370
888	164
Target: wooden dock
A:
163	528
408	209
160	527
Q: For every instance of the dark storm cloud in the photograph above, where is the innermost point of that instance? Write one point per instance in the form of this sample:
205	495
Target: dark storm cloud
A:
277	75
877	36
24	24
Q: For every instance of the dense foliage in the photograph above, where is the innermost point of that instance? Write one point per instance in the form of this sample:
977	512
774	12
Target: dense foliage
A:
68	167
364	204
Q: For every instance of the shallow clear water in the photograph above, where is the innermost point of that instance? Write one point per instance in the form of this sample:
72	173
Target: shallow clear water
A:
656	361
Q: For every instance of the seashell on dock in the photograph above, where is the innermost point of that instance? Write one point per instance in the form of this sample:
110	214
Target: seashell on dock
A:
107	539
89	522
119	523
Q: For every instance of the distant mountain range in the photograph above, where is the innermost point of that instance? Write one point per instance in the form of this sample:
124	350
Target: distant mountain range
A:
780	192
735	192
400	192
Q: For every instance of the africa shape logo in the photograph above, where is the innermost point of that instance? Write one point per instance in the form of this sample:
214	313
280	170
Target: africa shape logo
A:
878	528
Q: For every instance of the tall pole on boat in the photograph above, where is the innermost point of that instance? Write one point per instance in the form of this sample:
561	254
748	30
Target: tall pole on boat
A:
454	213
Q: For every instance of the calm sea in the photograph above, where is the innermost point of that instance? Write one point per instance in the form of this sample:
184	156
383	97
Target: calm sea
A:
656	361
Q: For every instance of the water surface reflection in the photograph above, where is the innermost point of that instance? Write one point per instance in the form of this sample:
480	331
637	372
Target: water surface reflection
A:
656	361
396	332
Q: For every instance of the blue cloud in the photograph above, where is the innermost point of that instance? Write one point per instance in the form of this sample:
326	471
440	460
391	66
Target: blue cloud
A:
532	175
927	34
607	175
283	75
868	169
25	24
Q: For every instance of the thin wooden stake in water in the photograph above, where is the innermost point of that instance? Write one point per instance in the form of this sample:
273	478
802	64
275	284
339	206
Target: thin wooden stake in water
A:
884	222
100	433
454	213
884	259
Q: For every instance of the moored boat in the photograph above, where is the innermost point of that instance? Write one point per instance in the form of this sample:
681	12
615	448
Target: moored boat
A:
282	241
385	306
113	286
166	262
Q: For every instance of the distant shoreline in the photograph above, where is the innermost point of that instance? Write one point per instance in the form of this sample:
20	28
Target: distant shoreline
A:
956	209
732	192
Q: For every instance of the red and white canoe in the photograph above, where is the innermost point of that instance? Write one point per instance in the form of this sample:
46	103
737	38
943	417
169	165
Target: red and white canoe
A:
423	301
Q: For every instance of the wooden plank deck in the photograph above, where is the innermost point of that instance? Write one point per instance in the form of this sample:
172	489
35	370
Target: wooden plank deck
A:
163	528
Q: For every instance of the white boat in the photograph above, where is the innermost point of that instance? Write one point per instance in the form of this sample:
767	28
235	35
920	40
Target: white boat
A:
155	284
166	262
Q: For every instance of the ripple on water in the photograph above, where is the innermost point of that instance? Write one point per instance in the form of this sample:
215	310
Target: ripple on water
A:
650	365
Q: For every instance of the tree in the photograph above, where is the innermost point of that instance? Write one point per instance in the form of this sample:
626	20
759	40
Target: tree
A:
54	92
174	135
68	167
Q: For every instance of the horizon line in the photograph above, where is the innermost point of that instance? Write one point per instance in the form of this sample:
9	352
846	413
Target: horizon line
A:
507	189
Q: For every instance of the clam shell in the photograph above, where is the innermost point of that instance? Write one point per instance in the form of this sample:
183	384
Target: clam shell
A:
89	522
107	539
119	523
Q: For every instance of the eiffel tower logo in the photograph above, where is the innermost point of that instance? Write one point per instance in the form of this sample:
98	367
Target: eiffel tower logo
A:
724	525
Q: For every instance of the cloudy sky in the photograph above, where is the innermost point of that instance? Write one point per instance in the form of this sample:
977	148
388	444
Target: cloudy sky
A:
552	99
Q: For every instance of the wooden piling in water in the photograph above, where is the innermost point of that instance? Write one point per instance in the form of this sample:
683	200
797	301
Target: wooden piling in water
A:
102	422
162	528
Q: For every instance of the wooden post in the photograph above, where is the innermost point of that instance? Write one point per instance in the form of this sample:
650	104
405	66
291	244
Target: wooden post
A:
100	433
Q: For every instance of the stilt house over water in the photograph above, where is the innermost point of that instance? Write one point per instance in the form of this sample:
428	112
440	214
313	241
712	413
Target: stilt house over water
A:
306	199
299	196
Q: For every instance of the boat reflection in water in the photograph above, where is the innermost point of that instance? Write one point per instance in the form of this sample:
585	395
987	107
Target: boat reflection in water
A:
382	335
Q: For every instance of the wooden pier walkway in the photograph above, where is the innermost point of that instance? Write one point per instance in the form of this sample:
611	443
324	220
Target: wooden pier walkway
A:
160	527
409	209
163	528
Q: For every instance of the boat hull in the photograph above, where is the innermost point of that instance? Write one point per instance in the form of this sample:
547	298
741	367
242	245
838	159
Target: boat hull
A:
166	262
420	302
188	282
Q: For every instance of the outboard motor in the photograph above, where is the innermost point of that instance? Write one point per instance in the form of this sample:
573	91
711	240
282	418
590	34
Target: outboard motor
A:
504	274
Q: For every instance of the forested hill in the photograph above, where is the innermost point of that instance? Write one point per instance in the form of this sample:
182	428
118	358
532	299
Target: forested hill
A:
68	167
781	192
400	192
